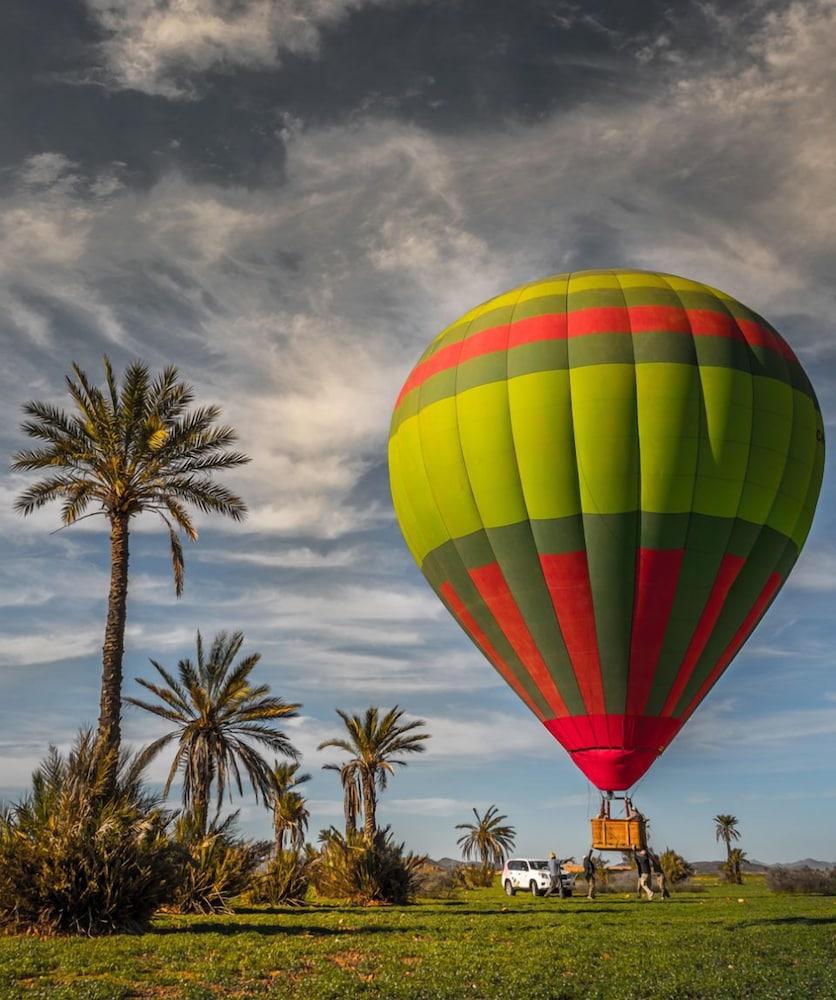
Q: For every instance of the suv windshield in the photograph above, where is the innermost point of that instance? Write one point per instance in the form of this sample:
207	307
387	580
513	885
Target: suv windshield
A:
539	865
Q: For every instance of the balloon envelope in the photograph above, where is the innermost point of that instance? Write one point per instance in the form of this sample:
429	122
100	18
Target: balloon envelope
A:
606	477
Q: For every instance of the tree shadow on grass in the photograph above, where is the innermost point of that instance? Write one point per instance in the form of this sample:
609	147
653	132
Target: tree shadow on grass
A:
285	924
798	921
227	929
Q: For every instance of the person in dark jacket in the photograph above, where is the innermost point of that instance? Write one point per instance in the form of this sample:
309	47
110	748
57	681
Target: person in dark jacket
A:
590	874
642	860
659	874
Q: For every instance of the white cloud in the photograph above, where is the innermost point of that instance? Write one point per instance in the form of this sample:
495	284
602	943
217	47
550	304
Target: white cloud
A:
721	726
293	557
815	570
421	806
48	170
164	47
46	644
471	737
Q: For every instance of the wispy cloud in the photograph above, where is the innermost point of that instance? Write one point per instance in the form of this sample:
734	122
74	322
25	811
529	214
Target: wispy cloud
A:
721	726
164	48
815	571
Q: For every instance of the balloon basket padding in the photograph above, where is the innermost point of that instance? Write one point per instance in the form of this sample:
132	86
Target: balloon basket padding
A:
618	834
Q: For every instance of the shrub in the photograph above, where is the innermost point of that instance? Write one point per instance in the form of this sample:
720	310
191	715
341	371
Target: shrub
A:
602	873
475	876
675	867
621	881
283	881
363	871
438	883
88	850
801	880
732	865
220	865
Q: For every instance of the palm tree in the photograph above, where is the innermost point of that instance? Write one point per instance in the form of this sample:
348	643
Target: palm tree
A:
290	812
129	448
352	793
736	858
489	838
216	711
725	829
373	743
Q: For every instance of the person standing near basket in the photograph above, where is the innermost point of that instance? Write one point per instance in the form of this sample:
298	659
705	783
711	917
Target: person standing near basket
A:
590	874
642	859
659	874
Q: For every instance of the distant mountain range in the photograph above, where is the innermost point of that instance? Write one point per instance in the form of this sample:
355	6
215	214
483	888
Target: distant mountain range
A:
703	867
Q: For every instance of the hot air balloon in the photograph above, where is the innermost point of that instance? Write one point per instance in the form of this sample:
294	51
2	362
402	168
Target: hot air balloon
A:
606	477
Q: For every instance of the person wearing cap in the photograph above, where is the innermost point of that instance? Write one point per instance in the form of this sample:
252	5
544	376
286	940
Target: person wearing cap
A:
555	875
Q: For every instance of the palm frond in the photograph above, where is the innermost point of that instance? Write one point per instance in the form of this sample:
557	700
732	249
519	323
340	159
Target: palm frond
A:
218	725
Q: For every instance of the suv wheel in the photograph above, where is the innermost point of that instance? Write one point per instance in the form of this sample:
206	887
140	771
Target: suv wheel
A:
533	886
509	889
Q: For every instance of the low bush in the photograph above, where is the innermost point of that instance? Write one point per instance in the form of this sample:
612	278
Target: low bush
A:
438	883
84	854
805	880
621	882
677	870
220	865
283	881
475	876
366	872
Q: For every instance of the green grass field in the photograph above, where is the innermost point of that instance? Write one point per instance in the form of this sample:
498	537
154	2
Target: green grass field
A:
480	945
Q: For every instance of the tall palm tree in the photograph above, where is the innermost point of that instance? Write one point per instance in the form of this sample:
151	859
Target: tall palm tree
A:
216	711
725	829
489	838
290	812
373	742
352	793
131	447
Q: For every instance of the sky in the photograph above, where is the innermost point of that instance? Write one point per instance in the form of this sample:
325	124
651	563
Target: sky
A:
288	199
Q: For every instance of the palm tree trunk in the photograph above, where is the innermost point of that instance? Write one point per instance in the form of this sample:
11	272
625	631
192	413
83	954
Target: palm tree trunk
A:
369	808
200	808
109	734
350	816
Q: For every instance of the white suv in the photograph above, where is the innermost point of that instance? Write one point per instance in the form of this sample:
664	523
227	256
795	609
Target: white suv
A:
533	876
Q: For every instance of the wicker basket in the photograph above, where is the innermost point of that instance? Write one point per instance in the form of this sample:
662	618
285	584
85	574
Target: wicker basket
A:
618	834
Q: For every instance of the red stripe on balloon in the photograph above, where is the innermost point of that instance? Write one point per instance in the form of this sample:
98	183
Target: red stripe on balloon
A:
496	594
567	578
727	574
740	636
624	320
657	575
469	624
615	761
551	326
